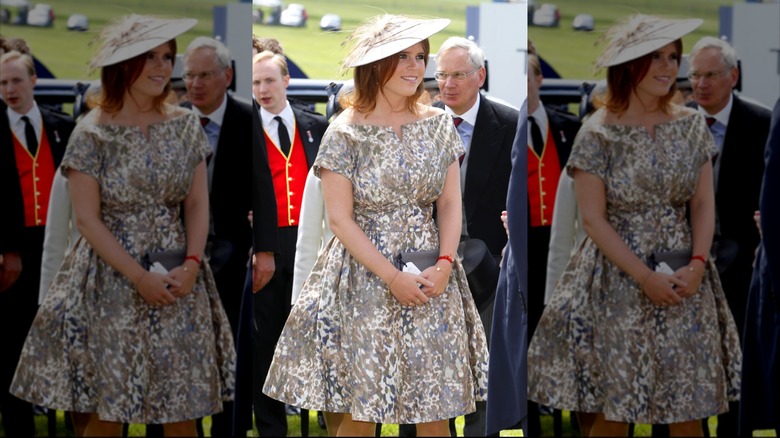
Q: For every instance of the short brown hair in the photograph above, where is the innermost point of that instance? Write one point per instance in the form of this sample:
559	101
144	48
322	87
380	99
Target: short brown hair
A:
622	80
370	78
116	79
270	44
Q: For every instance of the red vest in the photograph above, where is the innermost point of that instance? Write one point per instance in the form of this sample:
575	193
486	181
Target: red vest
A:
289	175
543	175
36	175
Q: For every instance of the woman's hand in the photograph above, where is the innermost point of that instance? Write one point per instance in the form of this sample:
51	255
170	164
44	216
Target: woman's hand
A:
691	275
660	288
153	288
186	275
405	287
439	274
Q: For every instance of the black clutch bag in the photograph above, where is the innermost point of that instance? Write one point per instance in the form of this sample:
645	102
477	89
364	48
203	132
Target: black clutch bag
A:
676	259
480	266
168	259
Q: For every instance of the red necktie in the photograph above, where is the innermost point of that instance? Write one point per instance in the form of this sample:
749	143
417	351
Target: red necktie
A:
457	121
204	121
710	121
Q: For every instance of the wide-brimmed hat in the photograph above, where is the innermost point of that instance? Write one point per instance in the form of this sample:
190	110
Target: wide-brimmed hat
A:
641	34
385	35
135	34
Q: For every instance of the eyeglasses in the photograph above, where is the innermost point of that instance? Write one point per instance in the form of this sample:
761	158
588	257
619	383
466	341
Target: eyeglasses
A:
710	75
459	76
203	76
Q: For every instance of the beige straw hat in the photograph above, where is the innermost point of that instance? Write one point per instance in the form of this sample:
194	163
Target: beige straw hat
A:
134	34
385	35
641	34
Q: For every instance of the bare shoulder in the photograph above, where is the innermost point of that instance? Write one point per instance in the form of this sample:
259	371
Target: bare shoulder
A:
427	111
680	111
174	111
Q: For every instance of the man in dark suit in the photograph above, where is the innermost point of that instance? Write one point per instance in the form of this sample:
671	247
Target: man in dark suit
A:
32	144
740	129
207	75
487	129
507	402
292	137
760	390
550	137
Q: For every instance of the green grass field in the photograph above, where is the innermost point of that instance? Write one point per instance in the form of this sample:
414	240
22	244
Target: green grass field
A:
572	53
67	53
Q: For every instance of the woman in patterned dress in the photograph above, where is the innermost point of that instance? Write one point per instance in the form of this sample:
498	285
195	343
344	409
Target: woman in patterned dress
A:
111	339
364	338
619	340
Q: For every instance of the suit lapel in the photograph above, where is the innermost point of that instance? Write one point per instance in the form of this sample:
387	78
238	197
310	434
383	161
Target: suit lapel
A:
485	147
304	123
55	137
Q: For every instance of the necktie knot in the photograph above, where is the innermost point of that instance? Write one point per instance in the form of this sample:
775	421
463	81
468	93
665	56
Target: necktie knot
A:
284	136
204	121
29	136
457	121
710	121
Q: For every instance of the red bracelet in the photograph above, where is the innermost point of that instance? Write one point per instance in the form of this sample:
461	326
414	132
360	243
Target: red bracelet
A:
699	257
194	258
445	257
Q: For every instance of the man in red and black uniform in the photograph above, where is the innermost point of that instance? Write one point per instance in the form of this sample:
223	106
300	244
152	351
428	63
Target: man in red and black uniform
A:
32	143
292	138
550	137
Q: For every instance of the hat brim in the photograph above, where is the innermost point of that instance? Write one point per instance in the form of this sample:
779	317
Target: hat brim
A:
664	33
153	34
410	34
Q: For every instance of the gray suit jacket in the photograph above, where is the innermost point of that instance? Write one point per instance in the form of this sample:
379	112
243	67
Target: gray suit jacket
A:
507	401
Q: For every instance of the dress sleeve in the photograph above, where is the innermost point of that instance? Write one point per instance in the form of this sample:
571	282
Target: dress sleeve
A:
704	147
337	153
453	145
195	136
589	153
83	152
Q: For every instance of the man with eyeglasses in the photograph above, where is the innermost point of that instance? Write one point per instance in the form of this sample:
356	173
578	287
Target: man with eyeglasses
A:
740	129
227	122
487	129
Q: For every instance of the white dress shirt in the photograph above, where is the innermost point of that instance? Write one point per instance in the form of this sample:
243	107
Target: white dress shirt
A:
271	126
18	125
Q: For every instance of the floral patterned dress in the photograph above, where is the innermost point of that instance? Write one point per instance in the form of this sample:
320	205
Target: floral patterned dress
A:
601	345
96	345
348	345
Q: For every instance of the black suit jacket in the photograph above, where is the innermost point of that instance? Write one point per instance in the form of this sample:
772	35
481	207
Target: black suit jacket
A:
58	127
264	222
310	126
738	190
564	127
231	195
264	198
488	171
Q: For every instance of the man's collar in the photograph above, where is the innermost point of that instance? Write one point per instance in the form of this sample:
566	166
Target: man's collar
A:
286	114
34	114
723	115
218	116
470	116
